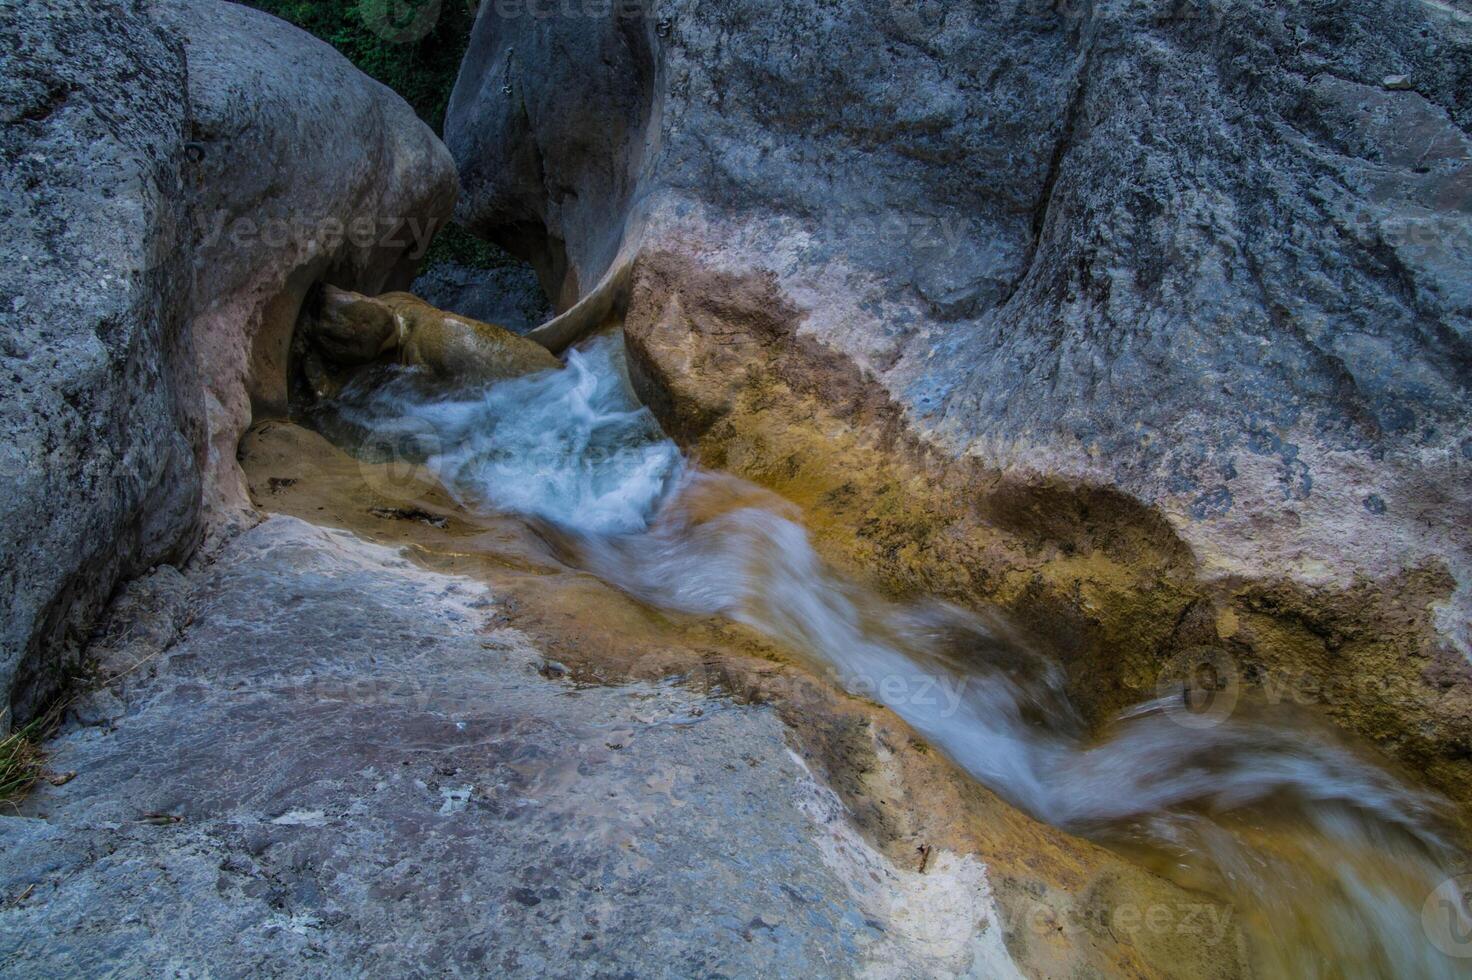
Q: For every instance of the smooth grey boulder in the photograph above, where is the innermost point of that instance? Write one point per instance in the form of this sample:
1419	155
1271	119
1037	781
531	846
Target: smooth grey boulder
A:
329	762
176	177
308	171
101	414
1214	254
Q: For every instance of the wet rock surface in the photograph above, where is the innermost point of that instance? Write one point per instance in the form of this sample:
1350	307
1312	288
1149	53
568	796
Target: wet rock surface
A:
341	330
321	759
1062	901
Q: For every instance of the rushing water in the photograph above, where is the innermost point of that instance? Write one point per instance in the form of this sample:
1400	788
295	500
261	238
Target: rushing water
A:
1329	859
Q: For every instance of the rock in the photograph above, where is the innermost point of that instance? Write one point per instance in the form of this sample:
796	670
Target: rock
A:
1111	314
591	79
310	171
330	768
350	330
101	415
509	295
1396	83
161	242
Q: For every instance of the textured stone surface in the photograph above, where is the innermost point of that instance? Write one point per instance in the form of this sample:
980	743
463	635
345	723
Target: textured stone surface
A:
510	296
325	761
100	416
1059	898
1202	254
344	330
169	193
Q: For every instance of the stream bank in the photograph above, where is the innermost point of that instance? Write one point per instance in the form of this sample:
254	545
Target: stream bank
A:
1059	897
424	727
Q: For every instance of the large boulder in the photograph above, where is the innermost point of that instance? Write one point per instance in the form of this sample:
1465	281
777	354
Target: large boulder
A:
100	414
308	171
1146	320
176	176
342	330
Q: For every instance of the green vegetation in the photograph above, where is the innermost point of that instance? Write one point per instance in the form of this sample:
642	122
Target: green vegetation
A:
412	46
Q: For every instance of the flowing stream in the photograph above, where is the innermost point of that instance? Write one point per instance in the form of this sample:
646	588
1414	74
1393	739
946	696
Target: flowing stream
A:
1332	863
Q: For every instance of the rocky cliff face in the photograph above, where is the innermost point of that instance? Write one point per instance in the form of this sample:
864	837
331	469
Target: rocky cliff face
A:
170	194
1146	320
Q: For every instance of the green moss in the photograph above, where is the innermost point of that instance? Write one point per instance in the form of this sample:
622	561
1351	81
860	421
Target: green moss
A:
412	46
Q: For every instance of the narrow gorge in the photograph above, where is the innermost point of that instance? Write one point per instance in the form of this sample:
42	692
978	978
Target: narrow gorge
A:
726	488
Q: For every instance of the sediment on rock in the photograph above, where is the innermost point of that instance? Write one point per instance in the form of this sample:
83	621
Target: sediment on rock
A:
340	332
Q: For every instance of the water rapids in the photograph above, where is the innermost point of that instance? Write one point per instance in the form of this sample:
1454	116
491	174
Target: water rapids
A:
1332	863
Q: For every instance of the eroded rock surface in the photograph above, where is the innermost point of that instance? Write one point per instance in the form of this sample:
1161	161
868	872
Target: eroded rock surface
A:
1147	320
343	764
308	171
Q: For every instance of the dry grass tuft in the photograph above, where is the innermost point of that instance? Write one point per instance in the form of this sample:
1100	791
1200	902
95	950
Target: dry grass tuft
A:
20	765
22	762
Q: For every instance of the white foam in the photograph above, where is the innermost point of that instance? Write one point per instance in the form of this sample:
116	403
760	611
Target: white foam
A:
572	446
